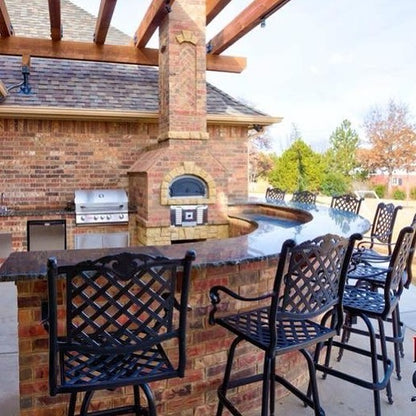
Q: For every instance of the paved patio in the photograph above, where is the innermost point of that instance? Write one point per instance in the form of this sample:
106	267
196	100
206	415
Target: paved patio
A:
338	397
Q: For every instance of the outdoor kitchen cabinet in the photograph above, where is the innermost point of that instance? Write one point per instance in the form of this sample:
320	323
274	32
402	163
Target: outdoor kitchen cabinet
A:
46	235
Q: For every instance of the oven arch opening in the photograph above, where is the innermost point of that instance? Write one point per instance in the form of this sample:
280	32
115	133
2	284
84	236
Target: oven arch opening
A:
188	186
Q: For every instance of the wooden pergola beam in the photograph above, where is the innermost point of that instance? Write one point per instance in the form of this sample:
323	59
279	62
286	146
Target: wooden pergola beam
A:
84	51
157	10
213	8
249	18
6	28
104	17
55	19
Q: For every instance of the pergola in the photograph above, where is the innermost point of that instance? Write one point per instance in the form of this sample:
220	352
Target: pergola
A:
136	52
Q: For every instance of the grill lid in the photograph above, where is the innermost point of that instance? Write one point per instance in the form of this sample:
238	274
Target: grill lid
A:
101	205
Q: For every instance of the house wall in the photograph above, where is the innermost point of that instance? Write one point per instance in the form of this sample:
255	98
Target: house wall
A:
43	162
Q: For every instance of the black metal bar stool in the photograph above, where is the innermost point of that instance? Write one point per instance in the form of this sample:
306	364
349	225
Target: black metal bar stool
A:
366	304
373	274
119	315
304	308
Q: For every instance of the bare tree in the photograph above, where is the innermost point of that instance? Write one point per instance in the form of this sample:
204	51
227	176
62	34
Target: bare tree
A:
391	141
259	162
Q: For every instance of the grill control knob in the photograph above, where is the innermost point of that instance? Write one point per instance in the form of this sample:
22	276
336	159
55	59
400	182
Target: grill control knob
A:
121	216
102	217
109	217
95	218
82	218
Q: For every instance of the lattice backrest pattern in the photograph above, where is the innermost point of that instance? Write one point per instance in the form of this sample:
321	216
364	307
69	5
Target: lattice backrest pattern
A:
383	223
275	194
347	203
398	262
313	280
121	300
304	197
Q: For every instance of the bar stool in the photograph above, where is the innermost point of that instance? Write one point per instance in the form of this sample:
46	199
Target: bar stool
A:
361	302
304	308
119	315
373	275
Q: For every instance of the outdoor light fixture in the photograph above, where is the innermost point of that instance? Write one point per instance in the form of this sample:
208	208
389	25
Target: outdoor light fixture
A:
24	86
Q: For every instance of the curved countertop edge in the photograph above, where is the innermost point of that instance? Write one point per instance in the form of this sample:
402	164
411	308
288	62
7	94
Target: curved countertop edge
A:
263	243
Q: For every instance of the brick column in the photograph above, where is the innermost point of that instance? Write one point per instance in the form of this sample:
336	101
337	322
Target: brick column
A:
182	66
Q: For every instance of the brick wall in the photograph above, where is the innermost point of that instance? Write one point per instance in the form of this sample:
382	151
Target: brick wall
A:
207	348
42	162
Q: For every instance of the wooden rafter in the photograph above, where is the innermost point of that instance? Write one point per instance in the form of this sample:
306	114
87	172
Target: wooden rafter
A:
103	20
85	51
55	19
249	18
151	21
6	28
214	7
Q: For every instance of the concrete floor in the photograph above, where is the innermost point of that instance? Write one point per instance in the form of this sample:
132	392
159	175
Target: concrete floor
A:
338	397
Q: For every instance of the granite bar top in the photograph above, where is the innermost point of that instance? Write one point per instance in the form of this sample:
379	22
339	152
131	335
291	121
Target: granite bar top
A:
300	222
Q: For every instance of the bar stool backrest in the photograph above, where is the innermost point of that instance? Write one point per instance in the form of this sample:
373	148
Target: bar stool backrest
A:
383	224
397	266
304	197
409	275
310	278
346	202
275	195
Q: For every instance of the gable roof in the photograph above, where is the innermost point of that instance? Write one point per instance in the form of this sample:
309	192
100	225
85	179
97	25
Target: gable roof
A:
65	84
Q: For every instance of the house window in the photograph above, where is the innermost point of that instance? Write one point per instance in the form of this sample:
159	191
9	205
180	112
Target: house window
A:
188	186
397	181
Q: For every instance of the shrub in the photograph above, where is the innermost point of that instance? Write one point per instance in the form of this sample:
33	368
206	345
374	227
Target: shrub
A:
412	193
334	184
380	190
399	194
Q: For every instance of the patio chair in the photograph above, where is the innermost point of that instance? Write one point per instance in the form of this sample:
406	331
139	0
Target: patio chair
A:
304	308
119	315
346	202
275	195
361	302
304	197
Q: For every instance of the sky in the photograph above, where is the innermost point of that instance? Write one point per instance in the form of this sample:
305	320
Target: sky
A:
315	63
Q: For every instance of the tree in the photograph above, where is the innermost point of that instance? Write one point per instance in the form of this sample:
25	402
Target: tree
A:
259	162
342	155
391	141
298	168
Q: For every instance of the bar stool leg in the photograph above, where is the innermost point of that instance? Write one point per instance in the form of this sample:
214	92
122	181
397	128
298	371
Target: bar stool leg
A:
222	390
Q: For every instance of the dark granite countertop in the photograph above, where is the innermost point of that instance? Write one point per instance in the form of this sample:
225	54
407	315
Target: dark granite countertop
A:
264	242
12	212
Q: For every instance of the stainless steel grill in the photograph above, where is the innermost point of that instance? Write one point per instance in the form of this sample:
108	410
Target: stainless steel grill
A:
98	206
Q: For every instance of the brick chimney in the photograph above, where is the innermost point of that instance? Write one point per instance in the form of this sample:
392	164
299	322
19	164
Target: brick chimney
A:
183	142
